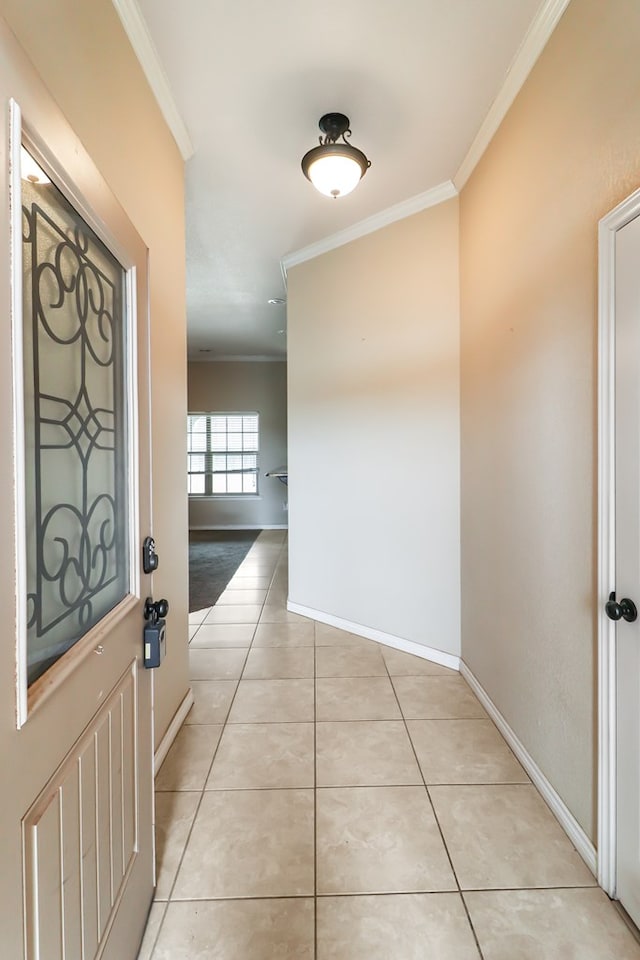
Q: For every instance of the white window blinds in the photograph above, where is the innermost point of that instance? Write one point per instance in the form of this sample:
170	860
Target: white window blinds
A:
222	454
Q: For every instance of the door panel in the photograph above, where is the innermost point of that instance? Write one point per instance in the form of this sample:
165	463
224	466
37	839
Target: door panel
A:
76	832
627	432
71	832
57	890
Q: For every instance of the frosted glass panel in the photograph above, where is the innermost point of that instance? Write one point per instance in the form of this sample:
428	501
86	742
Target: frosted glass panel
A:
75	425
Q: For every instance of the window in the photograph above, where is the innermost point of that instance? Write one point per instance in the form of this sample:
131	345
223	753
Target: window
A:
222	454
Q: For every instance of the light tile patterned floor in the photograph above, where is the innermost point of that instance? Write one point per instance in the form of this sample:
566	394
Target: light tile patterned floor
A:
332	799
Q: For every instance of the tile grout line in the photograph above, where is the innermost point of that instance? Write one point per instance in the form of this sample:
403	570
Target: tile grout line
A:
372	893
316	895
354	786
195	815
435	816
191	636
209	609
403	719
199	804
160	925
235	680
202	792
249	646
206	778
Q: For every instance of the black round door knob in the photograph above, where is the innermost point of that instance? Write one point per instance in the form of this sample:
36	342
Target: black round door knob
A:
162	606
155	611
625	610
613	609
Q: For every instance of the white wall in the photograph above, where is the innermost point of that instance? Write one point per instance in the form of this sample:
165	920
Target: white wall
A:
373	341
567	152
237	386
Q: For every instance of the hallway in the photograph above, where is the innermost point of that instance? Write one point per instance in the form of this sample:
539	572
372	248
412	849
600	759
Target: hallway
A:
373	814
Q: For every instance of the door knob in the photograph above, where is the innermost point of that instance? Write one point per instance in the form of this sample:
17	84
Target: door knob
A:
625	610
155	611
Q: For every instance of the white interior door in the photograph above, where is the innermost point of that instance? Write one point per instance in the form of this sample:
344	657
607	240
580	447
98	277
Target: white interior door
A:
76	832
627	562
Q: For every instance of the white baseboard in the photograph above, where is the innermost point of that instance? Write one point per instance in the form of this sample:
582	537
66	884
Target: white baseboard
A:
388	639
172	730
563	815
242	526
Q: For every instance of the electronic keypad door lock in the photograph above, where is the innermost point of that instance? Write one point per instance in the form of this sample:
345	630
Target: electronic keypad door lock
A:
150	558
155	632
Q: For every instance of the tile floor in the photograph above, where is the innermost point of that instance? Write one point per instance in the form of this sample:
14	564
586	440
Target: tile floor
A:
331	798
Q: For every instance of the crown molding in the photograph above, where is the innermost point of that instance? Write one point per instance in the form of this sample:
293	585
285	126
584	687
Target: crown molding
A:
532	46
145	50
283	271
239	358
444	191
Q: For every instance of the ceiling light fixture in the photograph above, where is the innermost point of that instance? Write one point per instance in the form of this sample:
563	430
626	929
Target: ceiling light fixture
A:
335	169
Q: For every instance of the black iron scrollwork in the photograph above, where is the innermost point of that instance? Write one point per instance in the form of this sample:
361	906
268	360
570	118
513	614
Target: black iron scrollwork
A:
77	442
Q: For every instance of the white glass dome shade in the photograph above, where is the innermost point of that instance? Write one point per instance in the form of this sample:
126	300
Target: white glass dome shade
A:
336	169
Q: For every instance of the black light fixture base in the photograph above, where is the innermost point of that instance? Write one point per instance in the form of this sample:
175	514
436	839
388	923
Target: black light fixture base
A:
334	125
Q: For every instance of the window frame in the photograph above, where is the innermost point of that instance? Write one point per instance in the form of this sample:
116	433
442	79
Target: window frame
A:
209	453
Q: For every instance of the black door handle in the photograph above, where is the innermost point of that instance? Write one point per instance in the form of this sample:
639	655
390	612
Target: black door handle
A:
625	610
155	611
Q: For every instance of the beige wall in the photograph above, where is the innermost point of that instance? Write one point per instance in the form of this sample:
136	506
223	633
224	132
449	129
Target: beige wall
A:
85	60
373	349
251	386
567	152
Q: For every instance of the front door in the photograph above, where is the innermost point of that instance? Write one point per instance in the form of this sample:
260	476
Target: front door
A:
76	824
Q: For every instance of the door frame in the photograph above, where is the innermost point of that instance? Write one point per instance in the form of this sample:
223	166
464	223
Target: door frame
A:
608	227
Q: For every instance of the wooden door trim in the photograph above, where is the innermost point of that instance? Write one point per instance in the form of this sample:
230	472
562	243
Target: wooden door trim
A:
608	227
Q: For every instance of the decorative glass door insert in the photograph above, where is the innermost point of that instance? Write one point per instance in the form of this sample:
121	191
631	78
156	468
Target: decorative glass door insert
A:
75	363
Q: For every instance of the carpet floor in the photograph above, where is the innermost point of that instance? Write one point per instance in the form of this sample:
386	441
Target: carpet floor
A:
214	557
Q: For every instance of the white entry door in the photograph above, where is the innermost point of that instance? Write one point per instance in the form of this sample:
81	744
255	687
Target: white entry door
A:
627	582
76	828
619	556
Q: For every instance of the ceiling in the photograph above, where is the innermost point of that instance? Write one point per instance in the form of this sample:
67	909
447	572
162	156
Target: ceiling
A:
250	81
